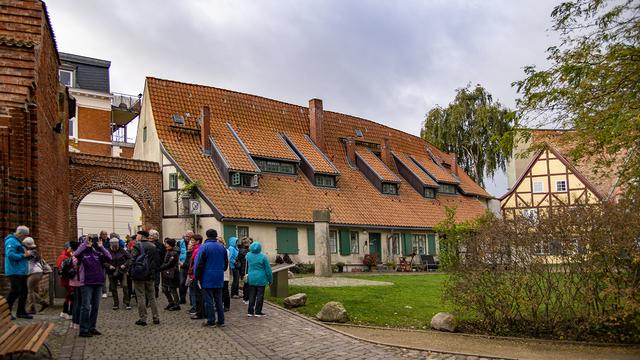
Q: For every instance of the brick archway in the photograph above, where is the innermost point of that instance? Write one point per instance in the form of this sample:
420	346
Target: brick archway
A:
140	180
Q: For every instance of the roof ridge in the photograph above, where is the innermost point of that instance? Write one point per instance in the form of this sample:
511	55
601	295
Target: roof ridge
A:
227	90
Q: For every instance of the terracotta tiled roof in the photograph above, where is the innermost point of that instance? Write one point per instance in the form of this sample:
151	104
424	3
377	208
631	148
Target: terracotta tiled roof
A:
113	162
312	154
415	169
232	149
285	198
433	169
379	167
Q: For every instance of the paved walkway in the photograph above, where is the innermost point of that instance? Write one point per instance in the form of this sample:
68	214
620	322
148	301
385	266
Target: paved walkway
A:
280	335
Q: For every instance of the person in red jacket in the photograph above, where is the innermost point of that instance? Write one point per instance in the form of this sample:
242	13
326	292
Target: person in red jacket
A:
66	253
199	313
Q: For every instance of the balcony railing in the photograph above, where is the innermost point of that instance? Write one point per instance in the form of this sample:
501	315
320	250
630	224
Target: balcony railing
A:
126	102
121	136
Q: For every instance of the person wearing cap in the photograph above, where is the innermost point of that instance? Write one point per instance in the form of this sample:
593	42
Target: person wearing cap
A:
117	269
144	288
16	269
36	271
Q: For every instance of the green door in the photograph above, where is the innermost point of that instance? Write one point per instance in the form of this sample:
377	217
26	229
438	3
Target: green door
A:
375	246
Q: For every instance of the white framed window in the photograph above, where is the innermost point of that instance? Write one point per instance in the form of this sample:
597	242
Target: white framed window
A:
243	232
420	244
531	214
73	127
325	180
66	77
447	189
429	193
333	241
561	185
390	188
395	244
538	186
173	181
355	242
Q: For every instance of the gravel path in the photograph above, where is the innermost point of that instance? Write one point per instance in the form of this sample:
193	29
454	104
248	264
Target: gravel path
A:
335	282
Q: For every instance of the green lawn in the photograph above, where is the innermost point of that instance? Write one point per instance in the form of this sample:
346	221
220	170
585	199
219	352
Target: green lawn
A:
410	302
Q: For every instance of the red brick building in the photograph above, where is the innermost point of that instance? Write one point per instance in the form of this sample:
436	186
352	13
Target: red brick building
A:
34	113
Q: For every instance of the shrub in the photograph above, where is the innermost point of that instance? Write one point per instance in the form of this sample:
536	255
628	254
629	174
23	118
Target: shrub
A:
573	274
369	261
303	268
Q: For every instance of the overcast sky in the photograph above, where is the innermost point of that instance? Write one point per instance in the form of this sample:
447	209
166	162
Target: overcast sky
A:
386	61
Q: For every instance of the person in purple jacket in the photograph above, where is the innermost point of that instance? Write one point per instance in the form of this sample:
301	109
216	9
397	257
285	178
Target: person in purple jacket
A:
91	254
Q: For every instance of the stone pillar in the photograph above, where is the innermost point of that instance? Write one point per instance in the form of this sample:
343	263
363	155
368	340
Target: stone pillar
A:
321	232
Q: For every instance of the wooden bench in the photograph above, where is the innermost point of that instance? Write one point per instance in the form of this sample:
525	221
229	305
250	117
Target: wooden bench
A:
19	340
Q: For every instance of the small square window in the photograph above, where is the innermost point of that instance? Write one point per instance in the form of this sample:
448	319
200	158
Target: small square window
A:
66	77
561	185
531	214
173	181
390	188
355	243
235	179
538	186
429	193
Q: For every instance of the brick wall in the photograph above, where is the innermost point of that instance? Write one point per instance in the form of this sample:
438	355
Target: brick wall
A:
34	161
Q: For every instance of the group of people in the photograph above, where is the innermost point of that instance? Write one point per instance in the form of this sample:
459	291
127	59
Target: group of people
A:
141	266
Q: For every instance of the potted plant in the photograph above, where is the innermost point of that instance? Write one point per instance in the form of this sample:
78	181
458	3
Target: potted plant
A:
369	261
391	264
340	266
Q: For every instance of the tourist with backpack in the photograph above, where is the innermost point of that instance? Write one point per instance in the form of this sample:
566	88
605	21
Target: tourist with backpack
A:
73	274
210	265
64	264
143	272
91	254
171	275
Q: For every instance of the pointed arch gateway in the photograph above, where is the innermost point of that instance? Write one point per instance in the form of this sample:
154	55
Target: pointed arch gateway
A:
140	180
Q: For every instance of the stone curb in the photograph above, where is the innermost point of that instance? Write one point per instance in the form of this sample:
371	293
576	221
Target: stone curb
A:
329	327
490	337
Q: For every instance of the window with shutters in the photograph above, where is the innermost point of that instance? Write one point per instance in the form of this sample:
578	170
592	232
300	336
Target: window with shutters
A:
333	241
431	244
355	242
244	180
287	240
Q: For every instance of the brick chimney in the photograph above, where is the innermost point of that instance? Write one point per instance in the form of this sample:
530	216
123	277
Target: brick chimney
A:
454	163
386	153
351	150
316	123
205	130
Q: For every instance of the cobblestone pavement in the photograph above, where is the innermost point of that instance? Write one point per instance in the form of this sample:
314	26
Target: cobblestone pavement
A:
279	335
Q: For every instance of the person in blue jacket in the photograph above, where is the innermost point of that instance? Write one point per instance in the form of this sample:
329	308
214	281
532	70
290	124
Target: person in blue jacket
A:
210	264
16	268
235	272
183	266
259	276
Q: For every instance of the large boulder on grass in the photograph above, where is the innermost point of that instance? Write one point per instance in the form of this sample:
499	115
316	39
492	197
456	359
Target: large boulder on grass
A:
333	311
296	300
443	322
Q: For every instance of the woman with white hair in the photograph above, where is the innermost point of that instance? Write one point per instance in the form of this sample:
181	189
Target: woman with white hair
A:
36	271
16	269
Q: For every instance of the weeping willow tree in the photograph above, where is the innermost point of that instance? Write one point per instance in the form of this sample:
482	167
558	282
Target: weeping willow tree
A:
477	129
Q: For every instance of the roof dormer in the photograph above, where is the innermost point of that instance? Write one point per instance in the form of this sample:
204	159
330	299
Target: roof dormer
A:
377	172
313	162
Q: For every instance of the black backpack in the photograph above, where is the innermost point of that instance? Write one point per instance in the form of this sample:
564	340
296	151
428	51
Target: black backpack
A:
140	269
67	270
239	259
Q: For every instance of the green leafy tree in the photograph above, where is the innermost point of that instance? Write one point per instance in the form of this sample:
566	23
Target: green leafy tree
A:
474	127
592	84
